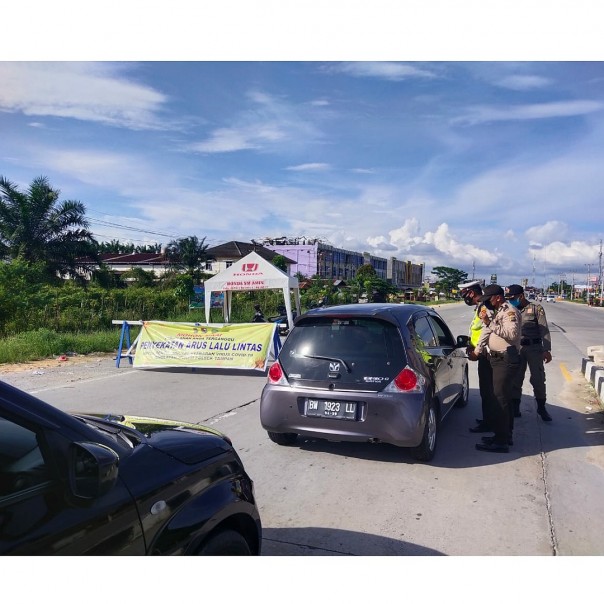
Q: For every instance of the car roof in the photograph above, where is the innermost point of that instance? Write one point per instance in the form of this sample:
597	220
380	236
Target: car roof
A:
394	313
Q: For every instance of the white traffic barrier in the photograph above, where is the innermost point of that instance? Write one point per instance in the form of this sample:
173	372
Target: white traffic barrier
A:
591	350
598	382
594	374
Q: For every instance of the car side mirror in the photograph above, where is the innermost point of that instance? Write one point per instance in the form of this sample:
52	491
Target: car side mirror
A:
92	469
463	341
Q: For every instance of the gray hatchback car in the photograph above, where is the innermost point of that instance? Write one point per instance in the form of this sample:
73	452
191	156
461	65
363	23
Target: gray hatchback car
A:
381	373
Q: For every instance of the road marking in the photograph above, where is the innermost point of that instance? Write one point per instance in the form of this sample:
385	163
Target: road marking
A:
567	376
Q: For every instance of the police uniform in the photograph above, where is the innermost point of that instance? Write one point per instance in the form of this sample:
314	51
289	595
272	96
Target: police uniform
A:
485	376
534	342
501	338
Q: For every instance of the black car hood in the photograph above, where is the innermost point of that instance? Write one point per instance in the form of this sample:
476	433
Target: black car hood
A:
186	442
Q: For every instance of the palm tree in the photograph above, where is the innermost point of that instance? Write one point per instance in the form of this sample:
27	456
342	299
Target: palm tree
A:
187	252
36	227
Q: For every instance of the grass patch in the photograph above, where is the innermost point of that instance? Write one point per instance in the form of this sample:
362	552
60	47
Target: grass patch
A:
44	343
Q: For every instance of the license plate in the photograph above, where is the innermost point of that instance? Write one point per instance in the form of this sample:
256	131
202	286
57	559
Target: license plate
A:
334	409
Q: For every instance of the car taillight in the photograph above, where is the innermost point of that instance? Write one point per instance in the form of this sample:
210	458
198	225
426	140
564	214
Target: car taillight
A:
276	375
407	380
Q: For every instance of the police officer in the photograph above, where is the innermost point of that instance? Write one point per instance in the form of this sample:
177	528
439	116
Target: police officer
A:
535	350
471	292
500	336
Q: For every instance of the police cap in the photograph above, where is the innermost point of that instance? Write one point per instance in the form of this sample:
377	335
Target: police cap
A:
513	290
491	290
470	285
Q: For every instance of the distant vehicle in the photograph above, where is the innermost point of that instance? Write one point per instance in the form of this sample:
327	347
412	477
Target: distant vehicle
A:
380	373
550	298
91	484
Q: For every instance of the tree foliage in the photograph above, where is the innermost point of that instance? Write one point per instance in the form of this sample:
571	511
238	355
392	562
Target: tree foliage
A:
117	247
36	227
188	253
280	262
448	278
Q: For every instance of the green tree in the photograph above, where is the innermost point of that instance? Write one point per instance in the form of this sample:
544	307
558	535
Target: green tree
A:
448	278
365	272
36	227
139	277
280	262
106	278
188	253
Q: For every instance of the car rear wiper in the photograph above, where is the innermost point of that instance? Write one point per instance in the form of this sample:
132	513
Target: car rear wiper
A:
317	356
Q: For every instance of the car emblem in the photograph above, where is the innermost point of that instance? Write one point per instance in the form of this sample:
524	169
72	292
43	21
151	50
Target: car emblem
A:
334	367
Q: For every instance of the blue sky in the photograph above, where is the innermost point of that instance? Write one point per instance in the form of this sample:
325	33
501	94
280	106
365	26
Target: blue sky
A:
486	166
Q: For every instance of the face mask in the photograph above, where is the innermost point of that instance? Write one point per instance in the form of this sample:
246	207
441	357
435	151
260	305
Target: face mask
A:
469	301
515	302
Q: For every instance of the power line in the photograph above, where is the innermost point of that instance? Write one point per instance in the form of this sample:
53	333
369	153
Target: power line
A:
129	228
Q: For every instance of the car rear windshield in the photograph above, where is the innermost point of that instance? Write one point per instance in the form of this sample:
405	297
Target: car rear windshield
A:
366	351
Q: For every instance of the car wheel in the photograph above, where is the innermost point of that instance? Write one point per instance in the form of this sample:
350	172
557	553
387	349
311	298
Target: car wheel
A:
283	438
464	395
225	543
426	449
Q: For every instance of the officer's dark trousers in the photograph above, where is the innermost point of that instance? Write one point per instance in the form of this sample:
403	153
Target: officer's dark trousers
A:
531	356
485	386
504	373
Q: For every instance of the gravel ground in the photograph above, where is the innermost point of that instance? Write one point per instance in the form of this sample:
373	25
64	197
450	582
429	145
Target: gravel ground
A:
49	373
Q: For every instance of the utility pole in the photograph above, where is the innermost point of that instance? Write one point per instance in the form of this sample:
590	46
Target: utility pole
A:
600	276
588	280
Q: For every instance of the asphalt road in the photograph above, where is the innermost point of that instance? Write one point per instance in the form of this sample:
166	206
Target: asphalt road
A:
319	498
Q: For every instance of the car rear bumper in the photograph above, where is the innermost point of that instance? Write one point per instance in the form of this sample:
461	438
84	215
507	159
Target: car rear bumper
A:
397	419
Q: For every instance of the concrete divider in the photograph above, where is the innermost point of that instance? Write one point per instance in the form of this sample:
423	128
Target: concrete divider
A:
592	368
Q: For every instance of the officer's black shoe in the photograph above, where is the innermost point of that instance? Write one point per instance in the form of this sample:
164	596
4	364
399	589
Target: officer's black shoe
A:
545	416
493	448
482	427
489	440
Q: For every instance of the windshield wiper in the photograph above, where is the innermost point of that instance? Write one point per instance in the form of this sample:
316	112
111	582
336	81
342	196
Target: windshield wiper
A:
317	356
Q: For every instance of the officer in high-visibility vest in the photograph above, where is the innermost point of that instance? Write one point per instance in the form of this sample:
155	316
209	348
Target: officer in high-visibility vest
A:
500	336
535	350
470	292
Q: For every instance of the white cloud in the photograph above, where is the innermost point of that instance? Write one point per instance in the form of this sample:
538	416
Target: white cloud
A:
93	92
573	256
553	230
363	170
310	167
524	82
439	247
483	113
224	140
384	70
268	121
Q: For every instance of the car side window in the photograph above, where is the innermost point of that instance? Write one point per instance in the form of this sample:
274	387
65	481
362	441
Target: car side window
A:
22	464
443	335
424	332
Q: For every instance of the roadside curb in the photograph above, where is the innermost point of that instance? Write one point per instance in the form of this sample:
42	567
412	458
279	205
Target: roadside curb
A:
593	370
